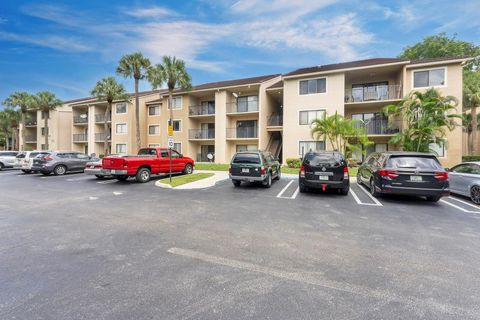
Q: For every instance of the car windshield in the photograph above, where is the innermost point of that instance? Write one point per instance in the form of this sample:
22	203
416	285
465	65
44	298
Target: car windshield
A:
314	159
416	162
147	152
247	158
21	155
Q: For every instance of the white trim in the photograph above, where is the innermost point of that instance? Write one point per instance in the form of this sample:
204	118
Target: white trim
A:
429	69
312	94
303	110
121	143
181	146
126	107
153	106
175	97
154	125
436	63
126	126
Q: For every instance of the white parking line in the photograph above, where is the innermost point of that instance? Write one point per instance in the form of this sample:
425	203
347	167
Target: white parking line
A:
79	179
465	202
107	181
295	194
357	199
458	207
279	195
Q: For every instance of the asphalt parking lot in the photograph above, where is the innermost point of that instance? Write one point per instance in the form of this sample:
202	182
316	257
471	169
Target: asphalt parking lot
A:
73	247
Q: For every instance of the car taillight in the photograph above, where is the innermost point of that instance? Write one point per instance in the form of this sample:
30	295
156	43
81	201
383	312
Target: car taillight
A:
345	173
263	170
125	163
392	174
302	171
47	158
442	176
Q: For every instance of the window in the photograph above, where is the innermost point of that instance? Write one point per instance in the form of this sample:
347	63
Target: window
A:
247	147
121	108
176	103
247	104
43	146
45	114
121	128
306	117
44	130
467	168
121	148
81	156
178	147
253	158
153	110
370	91
154	130
313	86
153	145
177	125
429	78
419	162
438	150
306	146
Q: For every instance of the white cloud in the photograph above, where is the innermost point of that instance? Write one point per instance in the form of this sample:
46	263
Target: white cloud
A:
284	7
152	12
67	44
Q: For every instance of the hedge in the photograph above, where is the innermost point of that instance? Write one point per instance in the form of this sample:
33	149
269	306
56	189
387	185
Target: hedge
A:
471	158
293	162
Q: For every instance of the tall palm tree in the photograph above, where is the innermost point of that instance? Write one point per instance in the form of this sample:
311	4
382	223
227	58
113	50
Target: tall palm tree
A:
471	100
134	66
22	101
45	102
5	128
13	117
108	89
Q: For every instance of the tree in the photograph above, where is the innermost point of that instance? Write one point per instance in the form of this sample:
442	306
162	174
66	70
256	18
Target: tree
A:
173	73
5	128
21	101
45	102
134	65
109	90
427	115
471	101
14	116
344	135
468	128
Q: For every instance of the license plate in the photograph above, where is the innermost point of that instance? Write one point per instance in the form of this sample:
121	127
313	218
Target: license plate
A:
416	178
92	167
323	178
245	170
112	171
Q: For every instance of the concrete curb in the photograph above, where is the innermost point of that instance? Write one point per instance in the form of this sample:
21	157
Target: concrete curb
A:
200	184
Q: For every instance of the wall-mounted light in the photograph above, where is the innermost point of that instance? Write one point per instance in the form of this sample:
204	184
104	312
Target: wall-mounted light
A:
235	95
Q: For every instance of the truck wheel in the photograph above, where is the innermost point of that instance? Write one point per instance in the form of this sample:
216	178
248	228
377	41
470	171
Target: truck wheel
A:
188	169
99	176
59	170
236	183
267	183
121	178
26	171
143	175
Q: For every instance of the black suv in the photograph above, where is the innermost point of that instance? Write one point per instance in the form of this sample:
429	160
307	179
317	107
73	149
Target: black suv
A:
254	166
407	173
324	170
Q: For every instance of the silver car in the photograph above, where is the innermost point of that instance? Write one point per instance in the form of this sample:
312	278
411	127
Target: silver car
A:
465	180
94	167
7	159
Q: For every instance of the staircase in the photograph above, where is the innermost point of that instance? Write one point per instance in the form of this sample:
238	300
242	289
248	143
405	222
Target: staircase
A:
275	144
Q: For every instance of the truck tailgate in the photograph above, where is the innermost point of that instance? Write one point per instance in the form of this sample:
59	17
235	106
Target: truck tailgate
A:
113	163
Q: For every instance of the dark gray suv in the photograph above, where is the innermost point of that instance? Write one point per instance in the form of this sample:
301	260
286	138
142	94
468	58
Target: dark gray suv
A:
60	162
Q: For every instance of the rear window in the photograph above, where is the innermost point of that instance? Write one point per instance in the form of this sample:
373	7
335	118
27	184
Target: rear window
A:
253	158
409	162
147	152
21	155
33	154
315	159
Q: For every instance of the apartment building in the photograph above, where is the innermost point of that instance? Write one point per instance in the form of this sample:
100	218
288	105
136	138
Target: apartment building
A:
58	131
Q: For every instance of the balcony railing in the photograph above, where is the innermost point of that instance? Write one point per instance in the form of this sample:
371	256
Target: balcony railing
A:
100	137
242	106
201	134
201	110
242	133
101	117
373	93
203	157
31	138
80	120
379	126
275	120
80	137
31	123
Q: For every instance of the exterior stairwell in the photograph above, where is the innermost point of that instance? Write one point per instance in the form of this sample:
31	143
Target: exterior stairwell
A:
275	144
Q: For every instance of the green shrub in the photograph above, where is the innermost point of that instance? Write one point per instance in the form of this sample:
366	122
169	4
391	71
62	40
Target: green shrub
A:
293	163
471	158
101	155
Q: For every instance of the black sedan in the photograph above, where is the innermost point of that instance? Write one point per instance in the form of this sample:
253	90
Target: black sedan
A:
405	173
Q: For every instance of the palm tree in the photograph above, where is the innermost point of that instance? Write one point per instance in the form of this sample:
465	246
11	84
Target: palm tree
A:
134	65
426	115
468	129
471	100
14	117
5	128
21	100
45	102
108	89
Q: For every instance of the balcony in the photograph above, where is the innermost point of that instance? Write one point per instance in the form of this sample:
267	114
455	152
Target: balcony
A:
201	134
30	123
31	139
80	137
101	118
80	120
380	126
275	120
373	93
201	110
100	137
249	105
242	133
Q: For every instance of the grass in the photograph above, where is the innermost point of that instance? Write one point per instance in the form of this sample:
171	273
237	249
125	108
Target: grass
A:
353	171
179	180
212	166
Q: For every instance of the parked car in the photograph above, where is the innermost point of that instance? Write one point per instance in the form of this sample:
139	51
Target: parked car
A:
95	168
324	170
254	166
24	160
465	180
60	162
148	161
406	173
7	159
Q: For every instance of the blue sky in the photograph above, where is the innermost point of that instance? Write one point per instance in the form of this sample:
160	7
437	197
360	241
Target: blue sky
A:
66	46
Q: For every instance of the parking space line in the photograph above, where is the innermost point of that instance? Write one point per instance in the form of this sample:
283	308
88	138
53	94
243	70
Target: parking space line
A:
458	207
295	194
464	202
279	195
107	181
357	199
79	179
370	196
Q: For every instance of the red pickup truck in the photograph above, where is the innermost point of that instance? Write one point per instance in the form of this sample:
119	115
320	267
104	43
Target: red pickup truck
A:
148	161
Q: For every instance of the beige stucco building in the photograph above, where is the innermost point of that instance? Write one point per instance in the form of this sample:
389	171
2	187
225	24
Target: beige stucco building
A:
271	112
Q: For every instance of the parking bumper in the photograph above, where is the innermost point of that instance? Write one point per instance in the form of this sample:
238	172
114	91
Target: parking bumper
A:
247	178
